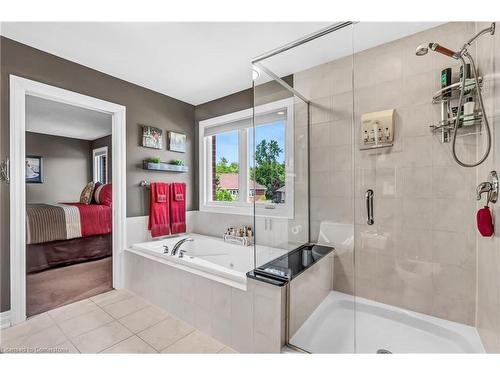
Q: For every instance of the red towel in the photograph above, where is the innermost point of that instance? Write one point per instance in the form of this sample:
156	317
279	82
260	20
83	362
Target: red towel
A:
485	222
178	207
159	209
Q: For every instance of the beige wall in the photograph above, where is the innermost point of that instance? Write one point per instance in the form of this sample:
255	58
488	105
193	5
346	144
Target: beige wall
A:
420	254
143	107
488	251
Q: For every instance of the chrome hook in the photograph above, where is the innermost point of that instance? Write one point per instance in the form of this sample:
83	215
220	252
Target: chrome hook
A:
490	188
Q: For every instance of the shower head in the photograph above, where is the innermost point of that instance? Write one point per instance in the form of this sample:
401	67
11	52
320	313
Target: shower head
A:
445	51
422	50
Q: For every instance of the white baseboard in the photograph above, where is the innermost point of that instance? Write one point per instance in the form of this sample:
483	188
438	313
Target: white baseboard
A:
5	319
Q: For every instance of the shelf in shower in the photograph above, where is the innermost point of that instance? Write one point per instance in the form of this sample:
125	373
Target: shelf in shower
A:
453	91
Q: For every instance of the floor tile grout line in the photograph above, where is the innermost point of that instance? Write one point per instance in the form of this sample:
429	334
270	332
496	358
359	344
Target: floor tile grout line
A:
120	300
152	325
180	338
143	308
115	321
116	343
76	316
97	327
148	344
31	333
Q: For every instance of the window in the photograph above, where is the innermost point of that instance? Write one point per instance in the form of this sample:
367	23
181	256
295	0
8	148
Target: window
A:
100	157
240	165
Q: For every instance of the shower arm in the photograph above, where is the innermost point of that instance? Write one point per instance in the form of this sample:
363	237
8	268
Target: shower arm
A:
463	50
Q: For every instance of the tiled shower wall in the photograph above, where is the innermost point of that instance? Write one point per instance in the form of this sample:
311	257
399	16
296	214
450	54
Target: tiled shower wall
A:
421	252
488	250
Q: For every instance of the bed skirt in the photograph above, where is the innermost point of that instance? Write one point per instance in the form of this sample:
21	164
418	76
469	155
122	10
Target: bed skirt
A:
47	255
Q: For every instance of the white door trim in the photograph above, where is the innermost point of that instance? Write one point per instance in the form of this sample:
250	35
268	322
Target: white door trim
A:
19	88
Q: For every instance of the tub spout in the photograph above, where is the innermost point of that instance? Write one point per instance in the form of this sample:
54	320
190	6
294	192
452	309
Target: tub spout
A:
179	244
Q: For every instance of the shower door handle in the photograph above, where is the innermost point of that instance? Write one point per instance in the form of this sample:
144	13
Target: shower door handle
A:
369	207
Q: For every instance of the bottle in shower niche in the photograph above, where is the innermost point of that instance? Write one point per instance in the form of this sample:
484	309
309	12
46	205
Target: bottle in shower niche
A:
466	74
446	81
469	108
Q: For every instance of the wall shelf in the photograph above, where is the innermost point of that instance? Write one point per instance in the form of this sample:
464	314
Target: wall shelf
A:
453	91
164	167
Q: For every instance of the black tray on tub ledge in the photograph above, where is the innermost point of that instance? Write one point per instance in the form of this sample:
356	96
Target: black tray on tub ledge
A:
288	266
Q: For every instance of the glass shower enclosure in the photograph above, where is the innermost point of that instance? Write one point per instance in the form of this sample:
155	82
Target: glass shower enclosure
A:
348	151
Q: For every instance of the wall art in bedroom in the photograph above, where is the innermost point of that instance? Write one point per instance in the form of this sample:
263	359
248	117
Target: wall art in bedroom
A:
152	137
176	142
34	169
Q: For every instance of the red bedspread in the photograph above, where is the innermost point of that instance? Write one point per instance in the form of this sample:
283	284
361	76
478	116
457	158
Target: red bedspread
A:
94	218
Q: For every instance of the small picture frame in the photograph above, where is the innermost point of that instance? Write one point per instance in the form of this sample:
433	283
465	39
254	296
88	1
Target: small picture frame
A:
152	137
176	142
34	169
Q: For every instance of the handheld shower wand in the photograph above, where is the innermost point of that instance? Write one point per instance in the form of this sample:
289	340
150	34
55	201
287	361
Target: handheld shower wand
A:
459	55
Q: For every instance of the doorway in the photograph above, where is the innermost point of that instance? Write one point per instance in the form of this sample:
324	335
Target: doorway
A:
22	91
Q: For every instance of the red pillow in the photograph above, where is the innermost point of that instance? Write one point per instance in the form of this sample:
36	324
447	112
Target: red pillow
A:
103	194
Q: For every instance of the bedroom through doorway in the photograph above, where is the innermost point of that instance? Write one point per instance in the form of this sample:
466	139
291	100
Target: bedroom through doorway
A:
68	204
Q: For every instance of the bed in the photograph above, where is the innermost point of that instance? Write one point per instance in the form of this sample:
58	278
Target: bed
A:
66	233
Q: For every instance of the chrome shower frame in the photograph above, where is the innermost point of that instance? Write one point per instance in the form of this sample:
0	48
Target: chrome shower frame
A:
257	62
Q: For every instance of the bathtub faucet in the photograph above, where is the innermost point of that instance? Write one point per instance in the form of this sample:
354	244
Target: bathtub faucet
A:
179	244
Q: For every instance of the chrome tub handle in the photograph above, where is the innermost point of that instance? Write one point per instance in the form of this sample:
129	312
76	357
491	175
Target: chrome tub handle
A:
369	207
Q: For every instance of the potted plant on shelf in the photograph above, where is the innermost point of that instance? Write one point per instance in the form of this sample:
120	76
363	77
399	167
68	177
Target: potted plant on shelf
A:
154	159
177	162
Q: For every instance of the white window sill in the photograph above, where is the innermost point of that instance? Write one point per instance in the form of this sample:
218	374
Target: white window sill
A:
277	213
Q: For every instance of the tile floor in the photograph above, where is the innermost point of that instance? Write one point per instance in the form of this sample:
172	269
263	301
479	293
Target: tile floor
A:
112	322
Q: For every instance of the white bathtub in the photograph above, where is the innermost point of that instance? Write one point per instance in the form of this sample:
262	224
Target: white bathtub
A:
211	257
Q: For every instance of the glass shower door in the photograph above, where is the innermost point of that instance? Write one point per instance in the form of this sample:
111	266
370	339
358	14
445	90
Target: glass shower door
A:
319	187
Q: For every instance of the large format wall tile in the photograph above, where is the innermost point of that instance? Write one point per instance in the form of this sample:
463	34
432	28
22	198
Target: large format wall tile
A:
421	252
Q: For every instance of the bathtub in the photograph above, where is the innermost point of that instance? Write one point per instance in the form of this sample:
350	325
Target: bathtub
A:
211	257
208	289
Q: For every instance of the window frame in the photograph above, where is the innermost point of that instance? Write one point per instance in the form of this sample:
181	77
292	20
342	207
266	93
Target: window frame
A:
242	206
97	152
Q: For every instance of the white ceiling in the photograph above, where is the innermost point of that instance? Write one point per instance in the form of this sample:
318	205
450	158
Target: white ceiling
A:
54	118
192	62
195	62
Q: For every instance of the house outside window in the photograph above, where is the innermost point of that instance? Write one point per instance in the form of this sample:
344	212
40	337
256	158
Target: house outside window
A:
240	163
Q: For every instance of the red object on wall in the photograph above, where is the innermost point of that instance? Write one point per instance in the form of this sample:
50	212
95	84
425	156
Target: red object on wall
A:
485	222
178	207
159	215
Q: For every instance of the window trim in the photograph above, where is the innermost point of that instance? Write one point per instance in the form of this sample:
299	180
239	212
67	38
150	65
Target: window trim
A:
242	207
98	152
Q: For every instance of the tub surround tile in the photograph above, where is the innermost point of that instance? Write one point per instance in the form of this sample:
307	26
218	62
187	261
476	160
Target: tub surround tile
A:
307	291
